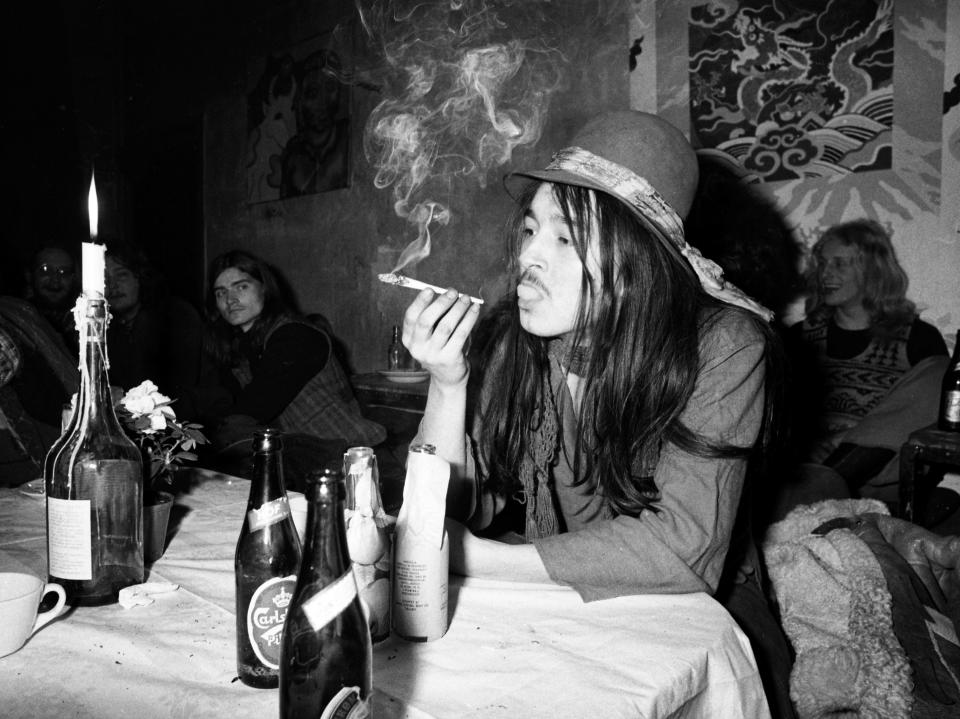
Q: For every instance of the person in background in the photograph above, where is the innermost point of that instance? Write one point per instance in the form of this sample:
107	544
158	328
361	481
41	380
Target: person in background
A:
53	284
152	334
867	368
625	388
274	368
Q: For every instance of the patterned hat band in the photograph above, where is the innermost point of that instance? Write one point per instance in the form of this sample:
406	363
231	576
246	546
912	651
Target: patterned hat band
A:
646	202
624	184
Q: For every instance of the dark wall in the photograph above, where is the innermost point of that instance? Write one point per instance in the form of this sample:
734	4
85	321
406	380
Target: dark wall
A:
38	132
153	96
332	245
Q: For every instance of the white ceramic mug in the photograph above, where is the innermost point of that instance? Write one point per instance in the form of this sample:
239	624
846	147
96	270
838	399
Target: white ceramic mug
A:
20	596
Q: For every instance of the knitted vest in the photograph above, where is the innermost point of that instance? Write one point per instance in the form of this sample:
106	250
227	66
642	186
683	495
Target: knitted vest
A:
325	407
856	385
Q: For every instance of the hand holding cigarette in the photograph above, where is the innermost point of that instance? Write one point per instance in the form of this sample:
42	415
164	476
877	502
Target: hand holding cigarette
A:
392	278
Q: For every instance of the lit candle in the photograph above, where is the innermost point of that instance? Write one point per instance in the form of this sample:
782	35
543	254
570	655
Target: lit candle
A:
92	255
92	209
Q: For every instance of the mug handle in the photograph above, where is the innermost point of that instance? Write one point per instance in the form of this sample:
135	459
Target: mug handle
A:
56	610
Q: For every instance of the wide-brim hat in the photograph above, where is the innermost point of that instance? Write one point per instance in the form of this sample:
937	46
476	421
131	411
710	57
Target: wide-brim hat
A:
648	164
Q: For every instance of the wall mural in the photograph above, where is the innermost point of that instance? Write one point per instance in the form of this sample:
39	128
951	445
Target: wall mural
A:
689	57
298	125
789	92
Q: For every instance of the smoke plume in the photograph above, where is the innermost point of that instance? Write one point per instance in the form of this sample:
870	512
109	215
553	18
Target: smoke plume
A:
464	83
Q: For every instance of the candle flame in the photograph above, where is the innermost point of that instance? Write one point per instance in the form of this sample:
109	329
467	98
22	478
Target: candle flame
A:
92	208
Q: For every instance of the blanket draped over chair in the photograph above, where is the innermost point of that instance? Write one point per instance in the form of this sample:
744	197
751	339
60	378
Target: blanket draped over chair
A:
871	605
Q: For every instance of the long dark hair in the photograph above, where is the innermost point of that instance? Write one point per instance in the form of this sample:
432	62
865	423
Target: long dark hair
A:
642	364
222	338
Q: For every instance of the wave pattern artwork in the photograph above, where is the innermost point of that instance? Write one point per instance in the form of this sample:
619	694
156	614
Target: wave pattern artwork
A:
793	93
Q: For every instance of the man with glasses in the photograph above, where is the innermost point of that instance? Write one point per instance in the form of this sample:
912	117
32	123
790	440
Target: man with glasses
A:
53	285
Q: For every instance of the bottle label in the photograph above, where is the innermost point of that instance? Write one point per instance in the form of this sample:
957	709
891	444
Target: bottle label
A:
265	616
326	605
269	513
951	410
68	538
422	549
420	576
346	704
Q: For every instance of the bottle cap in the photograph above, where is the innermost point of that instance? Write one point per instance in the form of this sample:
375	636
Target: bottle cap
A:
325	485
267	440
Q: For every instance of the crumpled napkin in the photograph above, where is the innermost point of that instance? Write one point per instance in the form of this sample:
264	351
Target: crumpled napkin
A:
139	595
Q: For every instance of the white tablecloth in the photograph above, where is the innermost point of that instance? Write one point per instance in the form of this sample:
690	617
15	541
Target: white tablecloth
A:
512	650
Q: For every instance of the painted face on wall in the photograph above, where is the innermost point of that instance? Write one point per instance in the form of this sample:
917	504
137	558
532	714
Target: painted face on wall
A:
239	297
552	273
122	288
320	92
840	274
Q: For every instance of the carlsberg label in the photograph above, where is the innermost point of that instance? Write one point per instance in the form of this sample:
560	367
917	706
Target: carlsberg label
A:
265	616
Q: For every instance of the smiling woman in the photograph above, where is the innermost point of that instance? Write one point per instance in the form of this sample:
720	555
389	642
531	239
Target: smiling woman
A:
861	344
269	366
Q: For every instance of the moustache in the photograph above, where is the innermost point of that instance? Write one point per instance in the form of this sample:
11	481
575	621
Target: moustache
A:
530	278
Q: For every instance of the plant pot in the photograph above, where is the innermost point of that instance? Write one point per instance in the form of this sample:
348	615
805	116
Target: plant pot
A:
156	517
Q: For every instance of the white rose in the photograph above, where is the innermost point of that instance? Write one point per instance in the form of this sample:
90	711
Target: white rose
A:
158	421
137	406
144	399
141	390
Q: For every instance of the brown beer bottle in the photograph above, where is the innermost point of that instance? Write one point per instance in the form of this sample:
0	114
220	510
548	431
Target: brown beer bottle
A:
949	417
326	661
265	565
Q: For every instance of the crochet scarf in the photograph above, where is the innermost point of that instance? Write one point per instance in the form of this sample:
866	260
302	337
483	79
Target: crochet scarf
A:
545	443
543	446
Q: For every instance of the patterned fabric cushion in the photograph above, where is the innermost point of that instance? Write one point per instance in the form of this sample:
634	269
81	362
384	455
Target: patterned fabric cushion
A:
9	358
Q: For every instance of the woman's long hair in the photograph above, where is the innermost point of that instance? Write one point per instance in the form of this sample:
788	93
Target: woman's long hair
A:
642	364
223	338
884	280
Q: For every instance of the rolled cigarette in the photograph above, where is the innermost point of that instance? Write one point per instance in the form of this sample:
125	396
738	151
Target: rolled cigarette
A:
392	278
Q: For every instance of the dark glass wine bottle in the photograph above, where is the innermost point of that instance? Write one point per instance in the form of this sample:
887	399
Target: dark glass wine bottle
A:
326	662
949	416
93	479
265	565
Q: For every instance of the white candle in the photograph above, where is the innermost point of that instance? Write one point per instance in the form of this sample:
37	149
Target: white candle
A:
92	267
92	255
